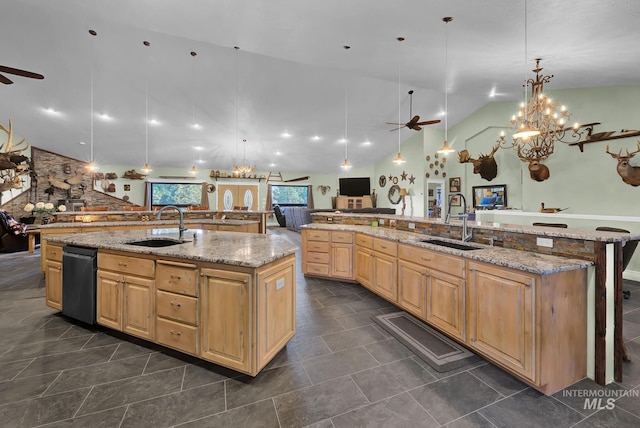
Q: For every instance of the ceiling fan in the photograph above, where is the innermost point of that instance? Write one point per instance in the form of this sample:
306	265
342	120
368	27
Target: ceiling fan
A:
17	72
414	123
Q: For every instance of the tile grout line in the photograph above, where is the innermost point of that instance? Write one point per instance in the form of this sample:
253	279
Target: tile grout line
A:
82	404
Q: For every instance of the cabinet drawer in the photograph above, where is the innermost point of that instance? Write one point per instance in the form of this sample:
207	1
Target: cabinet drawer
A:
342	237
177	277
126	264
318	257
177	335
177	307
318	247
364	240
443	262
318	235
54	252
320	269
385	247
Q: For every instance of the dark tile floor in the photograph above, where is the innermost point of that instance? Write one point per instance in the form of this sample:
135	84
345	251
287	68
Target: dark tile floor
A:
340	370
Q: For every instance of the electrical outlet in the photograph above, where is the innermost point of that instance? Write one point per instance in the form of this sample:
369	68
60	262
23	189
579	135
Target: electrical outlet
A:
544	242
381	222
412	225
329	218
392	223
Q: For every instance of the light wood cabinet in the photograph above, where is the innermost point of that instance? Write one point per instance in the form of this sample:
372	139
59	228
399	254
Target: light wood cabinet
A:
385	281
177	305
227	317
353	202
53	275
328	254
441	278
412	286
531	325
124	301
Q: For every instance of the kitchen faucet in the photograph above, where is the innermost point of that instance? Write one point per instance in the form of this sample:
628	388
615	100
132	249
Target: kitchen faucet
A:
465	237
181	227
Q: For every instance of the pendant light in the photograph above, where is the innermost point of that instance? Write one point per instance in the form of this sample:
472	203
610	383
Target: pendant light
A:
346	165
399	159
146	169
446	148
236	169
526	130
91	166
193	169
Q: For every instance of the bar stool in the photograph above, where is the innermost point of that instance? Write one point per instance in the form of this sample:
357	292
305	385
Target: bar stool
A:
628	249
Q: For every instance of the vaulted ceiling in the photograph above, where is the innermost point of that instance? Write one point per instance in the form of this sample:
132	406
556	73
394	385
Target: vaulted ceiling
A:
290	75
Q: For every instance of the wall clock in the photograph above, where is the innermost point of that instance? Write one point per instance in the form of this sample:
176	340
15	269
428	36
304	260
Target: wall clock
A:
211	188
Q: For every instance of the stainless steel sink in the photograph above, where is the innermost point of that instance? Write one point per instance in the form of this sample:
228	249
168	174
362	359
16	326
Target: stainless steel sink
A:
156	242
456	245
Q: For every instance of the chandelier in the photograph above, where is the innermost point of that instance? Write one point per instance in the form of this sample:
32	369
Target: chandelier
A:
243	169
540	123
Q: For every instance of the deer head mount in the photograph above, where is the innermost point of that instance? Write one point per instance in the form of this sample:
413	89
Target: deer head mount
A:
534	156
485	165
630	174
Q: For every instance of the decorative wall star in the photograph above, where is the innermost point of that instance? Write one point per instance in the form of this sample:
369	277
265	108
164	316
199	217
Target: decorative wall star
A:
404	176
390	177
412	179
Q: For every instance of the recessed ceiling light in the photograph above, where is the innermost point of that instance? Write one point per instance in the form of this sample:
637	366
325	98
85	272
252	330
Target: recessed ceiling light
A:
286	134
342	140
154	122
200	161
50	110
278	153
366	143
105	117
316	138
272	165
442	113
82	143
492	93
196	126
198	148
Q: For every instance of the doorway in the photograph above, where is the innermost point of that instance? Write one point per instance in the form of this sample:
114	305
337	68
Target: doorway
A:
435	199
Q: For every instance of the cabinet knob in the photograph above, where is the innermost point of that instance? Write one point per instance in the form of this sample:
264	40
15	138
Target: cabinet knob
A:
176	333
175	304
122	264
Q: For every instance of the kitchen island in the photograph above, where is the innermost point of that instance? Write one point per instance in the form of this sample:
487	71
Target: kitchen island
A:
225	297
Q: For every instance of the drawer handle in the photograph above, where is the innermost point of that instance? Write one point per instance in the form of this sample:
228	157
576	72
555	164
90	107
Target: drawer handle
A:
175	277
384	247
176	333
426	259
122	264
175	304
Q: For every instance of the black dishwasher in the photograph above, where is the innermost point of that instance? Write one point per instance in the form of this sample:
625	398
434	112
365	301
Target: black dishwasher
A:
79	268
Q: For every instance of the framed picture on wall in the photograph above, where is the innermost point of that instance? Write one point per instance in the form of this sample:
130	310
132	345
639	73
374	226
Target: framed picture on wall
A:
456	201
454	184
430	193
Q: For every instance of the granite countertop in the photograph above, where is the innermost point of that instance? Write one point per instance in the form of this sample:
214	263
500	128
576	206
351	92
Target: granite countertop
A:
74	213
588	235
230	248
169	222
521	260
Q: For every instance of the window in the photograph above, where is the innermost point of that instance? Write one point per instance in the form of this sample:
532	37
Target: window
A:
290	196
179	194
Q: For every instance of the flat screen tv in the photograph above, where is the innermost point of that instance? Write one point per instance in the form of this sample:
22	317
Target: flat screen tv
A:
492	197
355	186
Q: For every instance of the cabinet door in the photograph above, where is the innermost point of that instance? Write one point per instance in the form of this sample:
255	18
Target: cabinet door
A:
384	276
53	274
364	266
412	288
445	303
342	260
276	309
139	306
109	300
226	311
501	316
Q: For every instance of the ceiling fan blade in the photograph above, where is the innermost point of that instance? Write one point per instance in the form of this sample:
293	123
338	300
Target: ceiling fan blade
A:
395	129
4	80
394	123
19	72
416	127
428	122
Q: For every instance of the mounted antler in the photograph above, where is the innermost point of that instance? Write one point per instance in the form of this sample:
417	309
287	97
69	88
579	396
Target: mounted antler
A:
485	165
630	174
9	149
537	170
